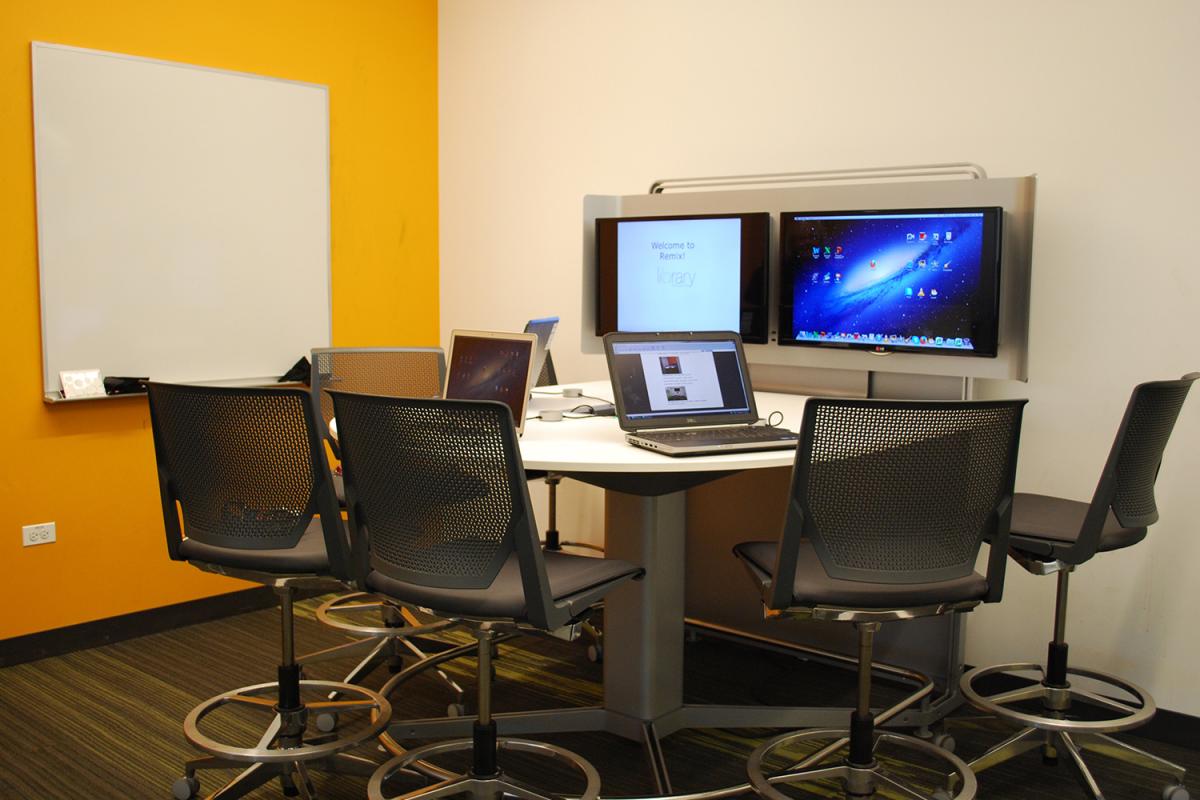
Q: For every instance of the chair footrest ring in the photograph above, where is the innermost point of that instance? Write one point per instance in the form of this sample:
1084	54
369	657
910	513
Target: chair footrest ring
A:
1056	701
335	613
482	786
285	727
859	780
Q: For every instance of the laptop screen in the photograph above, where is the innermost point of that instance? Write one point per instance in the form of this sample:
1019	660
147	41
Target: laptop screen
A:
491	366
679	379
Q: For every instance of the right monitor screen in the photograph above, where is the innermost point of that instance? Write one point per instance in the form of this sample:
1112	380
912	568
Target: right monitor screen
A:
919	280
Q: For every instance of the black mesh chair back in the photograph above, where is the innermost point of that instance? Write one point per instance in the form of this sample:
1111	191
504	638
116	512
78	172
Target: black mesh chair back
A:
242	467
901	492
391	371
436	492
1127	484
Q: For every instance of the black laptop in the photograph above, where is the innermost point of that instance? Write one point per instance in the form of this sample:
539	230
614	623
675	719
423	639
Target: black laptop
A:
687	394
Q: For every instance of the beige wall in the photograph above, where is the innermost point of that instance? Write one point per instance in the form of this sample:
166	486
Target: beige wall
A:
543	102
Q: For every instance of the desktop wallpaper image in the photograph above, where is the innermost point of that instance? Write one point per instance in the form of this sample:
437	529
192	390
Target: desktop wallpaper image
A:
882	279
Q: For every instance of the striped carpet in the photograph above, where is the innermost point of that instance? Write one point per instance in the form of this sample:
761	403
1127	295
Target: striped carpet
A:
106	723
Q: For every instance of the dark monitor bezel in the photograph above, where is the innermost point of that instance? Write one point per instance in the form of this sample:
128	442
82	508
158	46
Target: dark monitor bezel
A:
755	260
986	345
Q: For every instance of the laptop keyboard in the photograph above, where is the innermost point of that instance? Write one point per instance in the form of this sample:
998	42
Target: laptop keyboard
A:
705	436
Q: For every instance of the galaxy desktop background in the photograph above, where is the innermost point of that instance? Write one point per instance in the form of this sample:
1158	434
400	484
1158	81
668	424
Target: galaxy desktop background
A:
881	279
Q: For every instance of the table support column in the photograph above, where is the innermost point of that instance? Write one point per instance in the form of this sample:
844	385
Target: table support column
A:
643	620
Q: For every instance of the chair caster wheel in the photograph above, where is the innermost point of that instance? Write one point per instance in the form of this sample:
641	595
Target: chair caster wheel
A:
945	741
187	787
595	653
1175	791
327	722
456	710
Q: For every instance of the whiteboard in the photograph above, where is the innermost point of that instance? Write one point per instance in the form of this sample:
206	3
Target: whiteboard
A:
183	218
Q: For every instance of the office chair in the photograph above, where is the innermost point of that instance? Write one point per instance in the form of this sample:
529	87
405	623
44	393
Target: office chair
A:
399	372
440	518
393	371
245	493
1052	536
890	502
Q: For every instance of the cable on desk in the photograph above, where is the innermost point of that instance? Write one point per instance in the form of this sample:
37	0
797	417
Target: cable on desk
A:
576	411
558	393
772	422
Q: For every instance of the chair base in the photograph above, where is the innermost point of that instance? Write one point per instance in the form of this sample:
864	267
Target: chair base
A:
860	781
482	787
1054	733
283	739
1054	742
401	636
1057	700
293	775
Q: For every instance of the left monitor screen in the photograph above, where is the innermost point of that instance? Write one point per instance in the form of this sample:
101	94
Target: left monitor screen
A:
694	273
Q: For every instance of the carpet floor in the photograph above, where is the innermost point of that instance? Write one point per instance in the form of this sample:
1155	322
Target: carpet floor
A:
106	722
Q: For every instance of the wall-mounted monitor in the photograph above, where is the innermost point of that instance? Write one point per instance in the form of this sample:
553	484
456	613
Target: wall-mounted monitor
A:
915	280
683	273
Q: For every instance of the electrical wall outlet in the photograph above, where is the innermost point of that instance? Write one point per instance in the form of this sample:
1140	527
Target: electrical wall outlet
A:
38	534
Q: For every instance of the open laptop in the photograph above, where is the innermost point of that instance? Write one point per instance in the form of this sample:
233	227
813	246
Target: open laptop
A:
489	365
687	394
544	329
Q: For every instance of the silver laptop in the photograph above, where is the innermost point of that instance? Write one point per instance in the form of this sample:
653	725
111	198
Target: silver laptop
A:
490	365
687	394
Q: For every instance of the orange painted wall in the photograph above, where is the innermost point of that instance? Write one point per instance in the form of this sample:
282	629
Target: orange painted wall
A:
89	467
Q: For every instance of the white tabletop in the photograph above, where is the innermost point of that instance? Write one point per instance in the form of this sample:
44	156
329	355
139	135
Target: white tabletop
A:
597	444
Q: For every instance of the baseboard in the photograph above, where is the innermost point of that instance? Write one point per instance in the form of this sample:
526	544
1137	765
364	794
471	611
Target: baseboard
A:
60	641
1168	727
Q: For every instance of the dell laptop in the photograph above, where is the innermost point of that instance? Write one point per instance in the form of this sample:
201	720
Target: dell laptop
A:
687	394
489	365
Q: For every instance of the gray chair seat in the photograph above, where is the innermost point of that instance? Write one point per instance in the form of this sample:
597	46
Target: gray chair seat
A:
813	587
1043	525
308	556
505	599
